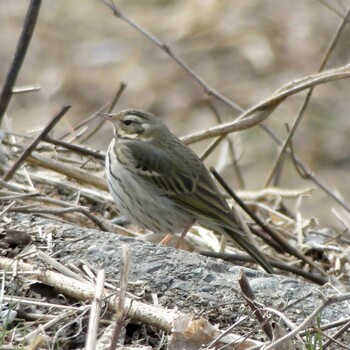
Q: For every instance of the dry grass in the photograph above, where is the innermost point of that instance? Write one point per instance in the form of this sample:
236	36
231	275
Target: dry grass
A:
232	53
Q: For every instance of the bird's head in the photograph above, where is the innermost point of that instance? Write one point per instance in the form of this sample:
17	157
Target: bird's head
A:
137	124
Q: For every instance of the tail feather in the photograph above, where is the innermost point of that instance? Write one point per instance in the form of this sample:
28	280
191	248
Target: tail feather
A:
250	248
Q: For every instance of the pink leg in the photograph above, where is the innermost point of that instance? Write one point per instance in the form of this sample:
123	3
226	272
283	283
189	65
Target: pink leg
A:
166	239
184	233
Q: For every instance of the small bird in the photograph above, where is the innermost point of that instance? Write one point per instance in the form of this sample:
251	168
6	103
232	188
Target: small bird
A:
160	184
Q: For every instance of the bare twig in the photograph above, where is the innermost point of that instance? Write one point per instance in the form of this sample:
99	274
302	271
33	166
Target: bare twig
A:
85	122
232	150
211	147
309	175
262	110
59	267
294	162
226	332
229	127
21	50
92	194
327	301
95	312
280	265
24	89
31	301
110	109
249	297
327	54
331	340
330	325
342	330
274	234
208	90
76	148
33	145
117	96
121	311
277	334
6	209
59	211
155	316
333	9
10	196
72	172
64	315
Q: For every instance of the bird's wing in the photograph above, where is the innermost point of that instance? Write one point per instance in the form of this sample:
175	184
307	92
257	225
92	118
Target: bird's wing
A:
193	191
156	166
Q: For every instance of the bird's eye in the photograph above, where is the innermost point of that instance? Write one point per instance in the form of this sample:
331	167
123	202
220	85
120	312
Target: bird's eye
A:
127	122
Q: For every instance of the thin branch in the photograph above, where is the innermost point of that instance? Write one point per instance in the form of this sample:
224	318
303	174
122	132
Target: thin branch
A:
273	233
325	59
237	169
110	109
282	317
211	147
74	209
59	267
226	128
207	89
95	312
250	299
329	7
150	314
331	340
21	50
230	257
34	144
121	311
92	194
309	175
76	148
72	172
258	113
24	89
342	330
328	301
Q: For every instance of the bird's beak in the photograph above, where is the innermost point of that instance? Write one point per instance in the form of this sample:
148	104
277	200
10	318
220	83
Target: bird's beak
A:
113	118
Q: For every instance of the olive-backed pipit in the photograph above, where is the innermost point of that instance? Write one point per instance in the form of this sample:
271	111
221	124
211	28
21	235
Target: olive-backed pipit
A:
160	184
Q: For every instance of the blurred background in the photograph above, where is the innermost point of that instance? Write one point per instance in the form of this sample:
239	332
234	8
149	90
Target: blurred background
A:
80	53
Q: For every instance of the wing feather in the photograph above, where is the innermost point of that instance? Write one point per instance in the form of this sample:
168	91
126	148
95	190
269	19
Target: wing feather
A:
193	191
188	184
156	166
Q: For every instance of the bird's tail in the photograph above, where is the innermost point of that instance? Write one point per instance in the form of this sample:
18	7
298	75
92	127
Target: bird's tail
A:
250	248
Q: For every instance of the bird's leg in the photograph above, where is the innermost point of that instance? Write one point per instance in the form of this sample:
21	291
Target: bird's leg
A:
166	239
184	233
169	236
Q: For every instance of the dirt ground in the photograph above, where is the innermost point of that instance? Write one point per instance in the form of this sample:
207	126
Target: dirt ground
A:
178	286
